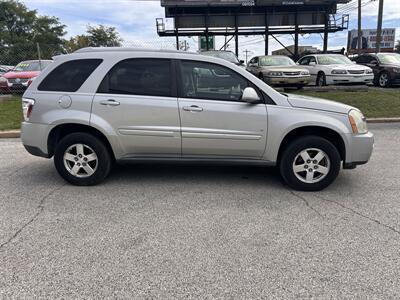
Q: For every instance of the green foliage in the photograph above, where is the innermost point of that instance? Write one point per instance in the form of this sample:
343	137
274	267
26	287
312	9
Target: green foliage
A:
20	31
96	36
376	103
10	113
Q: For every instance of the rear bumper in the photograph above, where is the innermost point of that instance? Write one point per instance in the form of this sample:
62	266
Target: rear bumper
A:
34	138
36	151
360	149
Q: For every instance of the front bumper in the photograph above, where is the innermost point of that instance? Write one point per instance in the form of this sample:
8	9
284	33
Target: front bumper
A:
348	78
359	149
34	138
394	78
12	87
288	81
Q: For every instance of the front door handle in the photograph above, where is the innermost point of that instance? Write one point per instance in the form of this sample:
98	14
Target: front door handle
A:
193	108
110	102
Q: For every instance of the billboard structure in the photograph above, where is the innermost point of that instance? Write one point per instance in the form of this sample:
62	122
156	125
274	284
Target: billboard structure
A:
368	40
252	17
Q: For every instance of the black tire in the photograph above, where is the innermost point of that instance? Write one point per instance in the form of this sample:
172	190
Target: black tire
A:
321	79
261	76
381	82
299	86
103	164
292	151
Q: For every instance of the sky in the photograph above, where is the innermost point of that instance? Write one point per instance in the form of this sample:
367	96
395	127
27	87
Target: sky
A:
135	21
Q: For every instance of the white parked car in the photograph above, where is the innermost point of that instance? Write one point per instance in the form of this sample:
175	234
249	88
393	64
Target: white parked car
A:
328	69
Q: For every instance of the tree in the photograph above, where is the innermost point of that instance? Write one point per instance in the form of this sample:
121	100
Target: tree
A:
398	47
20	31
103	36
96	36
77	42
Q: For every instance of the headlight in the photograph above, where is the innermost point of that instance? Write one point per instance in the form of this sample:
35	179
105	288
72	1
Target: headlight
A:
369	71
396	70
339	72
28	83
275	73
305	73
358	122
3	79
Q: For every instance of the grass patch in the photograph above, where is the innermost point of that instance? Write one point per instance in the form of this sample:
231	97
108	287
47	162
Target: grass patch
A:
374	103
10	113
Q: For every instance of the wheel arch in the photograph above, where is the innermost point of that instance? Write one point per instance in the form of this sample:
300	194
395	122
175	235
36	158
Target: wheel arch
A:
61	130
327	133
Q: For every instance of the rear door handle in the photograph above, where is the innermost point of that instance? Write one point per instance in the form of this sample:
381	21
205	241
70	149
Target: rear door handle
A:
193	108
109	102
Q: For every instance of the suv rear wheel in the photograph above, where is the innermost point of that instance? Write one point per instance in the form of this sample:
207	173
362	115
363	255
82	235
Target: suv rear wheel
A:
82	159
310	163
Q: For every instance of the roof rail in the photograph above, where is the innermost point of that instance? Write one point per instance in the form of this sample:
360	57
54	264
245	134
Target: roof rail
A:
127	49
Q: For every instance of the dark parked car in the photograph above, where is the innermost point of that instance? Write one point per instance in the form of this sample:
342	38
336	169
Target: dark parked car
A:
386	67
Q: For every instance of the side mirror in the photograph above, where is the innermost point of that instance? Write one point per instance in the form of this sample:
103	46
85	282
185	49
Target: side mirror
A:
250	95
241	61
312	63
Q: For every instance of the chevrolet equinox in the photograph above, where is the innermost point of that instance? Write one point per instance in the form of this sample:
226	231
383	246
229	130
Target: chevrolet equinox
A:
97	106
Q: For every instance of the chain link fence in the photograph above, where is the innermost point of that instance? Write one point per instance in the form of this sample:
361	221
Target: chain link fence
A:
20	64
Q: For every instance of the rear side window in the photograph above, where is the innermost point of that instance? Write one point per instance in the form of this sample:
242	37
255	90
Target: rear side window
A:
139	76
69	76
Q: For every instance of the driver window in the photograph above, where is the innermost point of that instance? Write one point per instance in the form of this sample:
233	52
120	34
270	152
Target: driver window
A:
312	60
305	61
209	81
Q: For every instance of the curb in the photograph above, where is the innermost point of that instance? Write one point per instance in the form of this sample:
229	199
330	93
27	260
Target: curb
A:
383	120
10	134
17	133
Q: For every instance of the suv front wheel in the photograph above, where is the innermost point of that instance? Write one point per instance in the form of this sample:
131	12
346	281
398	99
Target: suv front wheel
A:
310	163
82	159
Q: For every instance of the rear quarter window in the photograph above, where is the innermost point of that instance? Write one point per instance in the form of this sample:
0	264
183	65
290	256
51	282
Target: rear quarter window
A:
69	76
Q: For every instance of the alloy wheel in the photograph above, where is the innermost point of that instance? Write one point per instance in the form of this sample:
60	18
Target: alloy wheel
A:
311	165
383	79
80	160
321	80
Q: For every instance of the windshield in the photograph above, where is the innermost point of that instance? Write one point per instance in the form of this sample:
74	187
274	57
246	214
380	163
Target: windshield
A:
227	55
389	58
31	66
276	61
333	60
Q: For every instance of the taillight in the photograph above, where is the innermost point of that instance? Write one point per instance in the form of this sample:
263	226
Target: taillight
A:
27	106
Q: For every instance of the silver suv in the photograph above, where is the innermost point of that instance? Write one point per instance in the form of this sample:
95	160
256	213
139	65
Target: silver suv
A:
97	106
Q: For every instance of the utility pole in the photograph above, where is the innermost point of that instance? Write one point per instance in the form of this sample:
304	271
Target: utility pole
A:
359	40
39	56
246	52
379	29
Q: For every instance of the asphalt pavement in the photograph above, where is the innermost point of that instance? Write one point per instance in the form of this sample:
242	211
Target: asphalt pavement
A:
200	232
